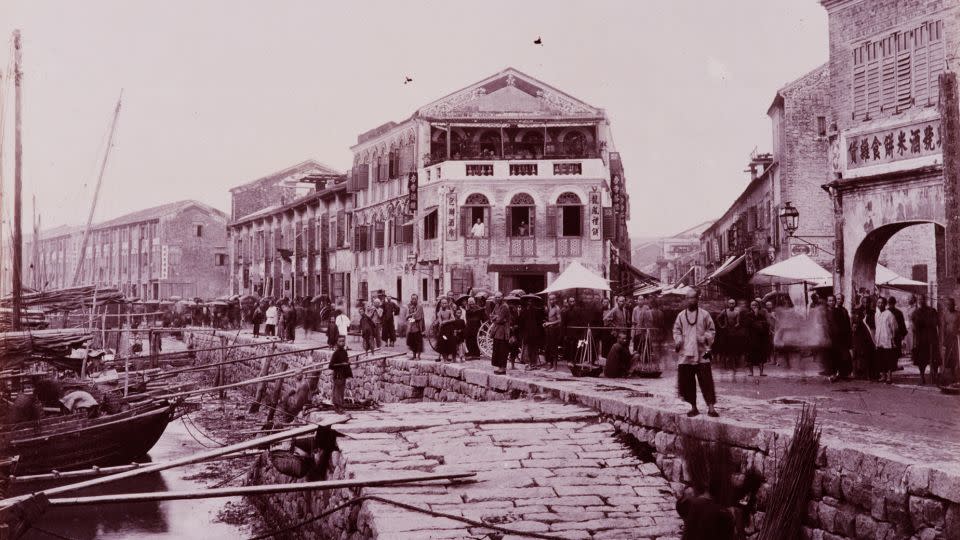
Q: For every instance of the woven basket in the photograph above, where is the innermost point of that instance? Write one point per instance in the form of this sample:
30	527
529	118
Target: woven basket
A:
291	462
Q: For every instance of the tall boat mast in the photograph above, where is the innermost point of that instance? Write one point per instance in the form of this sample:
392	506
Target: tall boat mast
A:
17	185
96	193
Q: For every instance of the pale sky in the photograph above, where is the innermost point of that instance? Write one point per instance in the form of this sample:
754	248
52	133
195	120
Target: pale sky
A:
218	93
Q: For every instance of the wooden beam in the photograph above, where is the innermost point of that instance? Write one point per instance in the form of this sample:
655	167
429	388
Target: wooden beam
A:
126	498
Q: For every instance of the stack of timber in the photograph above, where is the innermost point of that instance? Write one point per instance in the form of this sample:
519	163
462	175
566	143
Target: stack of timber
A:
17	347
68	299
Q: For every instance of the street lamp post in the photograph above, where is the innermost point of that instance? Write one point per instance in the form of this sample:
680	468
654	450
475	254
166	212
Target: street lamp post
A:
790	221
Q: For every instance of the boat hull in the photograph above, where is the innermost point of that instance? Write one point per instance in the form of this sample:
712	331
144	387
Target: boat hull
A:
107	440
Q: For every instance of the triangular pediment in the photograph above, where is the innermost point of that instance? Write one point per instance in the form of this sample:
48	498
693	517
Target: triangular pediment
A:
508	93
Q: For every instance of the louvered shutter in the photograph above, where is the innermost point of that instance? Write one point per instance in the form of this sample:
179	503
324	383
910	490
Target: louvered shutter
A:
277	241
609	223
532	216
364	178
509	222
935	59
551	221
465	214
920	66
408	234
585	221
311	236
904	81
341	229
873	78
859	84
888	74
324	234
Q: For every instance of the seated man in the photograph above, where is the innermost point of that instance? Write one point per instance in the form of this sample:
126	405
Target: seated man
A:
618	359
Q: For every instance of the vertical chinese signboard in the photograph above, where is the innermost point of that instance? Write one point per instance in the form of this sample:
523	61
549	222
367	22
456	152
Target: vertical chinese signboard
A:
595	214
412	193
450	218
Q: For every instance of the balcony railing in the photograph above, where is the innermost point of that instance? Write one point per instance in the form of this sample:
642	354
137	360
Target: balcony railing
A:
476	247
480	169
523	169
466	154
569	247
523	246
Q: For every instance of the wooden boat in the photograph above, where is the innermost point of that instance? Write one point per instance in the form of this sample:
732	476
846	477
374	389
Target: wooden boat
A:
76	441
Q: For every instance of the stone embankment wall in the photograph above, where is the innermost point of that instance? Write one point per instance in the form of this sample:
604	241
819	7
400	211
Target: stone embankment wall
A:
857	493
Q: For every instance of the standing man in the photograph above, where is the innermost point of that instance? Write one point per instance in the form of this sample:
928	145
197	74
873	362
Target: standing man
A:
479	230
570	318
693	334
377	318
901	327
474	319
886	337
926	340
257	319
415	327
640	315
551	329
390	310
340	365
839	331
271	318
501	321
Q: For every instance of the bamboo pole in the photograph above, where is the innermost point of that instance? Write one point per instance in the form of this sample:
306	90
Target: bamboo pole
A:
17	269
187	460
126	498
233	361
103	471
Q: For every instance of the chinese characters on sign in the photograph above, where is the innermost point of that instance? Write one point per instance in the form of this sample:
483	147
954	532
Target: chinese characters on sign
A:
451	217
595	216
891	145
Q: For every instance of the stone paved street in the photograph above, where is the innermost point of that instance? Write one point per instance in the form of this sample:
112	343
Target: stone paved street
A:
541	466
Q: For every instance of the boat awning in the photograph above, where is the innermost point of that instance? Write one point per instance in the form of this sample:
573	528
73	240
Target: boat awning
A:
725	268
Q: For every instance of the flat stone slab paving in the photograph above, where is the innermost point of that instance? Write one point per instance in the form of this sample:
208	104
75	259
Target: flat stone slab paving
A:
542	466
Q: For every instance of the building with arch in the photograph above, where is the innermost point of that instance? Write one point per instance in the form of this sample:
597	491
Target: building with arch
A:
498	186
888	67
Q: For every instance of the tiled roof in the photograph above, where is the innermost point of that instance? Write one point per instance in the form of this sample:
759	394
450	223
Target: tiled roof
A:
157	212
307	166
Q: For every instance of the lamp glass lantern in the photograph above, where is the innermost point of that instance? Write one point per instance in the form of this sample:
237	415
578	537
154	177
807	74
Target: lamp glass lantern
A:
789	218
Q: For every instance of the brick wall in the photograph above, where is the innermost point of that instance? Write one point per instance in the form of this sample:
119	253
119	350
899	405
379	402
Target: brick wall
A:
259	196
197	254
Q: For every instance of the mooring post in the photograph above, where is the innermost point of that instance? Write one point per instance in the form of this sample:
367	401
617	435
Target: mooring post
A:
262	387
223	358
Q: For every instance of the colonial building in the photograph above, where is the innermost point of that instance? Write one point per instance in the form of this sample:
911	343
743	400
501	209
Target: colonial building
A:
289	234
678	257
749	235
496	186
888	63
177	249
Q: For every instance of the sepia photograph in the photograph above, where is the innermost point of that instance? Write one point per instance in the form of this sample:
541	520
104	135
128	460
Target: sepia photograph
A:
422	269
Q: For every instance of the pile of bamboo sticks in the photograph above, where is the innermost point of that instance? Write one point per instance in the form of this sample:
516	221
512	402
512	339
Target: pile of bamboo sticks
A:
788	499
40	343
67	299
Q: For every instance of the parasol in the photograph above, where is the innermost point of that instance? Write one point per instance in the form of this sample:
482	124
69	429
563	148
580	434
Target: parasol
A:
577	276
462	298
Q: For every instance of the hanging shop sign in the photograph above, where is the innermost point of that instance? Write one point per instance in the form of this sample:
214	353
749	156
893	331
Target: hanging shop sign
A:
412	193
889	145
451	215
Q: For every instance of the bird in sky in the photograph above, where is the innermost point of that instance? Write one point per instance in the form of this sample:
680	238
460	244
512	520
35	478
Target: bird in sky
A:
407	80
538	41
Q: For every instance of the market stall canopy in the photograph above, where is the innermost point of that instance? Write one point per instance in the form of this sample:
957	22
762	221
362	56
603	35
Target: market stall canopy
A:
888	278
795	270
576	276
725	268
679	291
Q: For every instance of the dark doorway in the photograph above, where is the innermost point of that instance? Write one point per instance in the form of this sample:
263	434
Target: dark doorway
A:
530	283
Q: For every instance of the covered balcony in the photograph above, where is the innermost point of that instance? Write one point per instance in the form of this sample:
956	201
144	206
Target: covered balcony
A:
512	142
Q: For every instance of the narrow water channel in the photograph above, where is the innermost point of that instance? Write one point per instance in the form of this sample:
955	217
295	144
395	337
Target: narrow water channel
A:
158	520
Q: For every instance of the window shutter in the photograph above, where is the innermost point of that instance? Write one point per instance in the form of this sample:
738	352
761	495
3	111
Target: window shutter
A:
324	233
311	237
888	76
873	78
408	234
509	222
552	218
352	179
920	66
609	224
408	159
532	216
935	59
465	224
904	84
341	229
859	82
364	179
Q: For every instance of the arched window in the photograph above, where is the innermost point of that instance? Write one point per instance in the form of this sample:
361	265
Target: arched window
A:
521	215
569	215
475	216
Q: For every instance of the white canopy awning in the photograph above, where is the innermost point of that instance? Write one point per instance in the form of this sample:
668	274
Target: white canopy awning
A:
795	270
576	276
888	278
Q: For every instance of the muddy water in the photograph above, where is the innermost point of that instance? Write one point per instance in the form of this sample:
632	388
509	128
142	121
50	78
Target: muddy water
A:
160	520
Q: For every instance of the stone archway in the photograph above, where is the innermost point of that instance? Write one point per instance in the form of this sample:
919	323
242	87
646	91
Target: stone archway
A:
867	253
